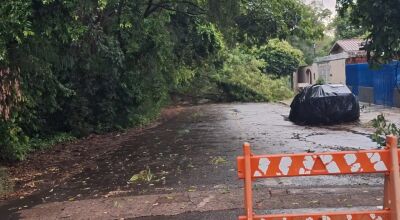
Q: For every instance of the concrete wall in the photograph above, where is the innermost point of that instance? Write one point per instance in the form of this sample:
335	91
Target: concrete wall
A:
301	75
396	98
366	94
332	68
314	71
324	69
305	75
338	71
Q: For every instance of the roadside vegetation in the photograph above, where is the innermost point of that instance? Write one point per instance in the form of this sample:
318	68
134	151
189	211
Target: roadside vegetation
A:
383	127
72	68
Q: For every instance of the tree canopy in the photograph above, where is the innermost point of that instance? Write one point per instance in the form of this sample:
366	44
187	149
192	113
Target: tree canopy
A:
344	28
263	20
380	20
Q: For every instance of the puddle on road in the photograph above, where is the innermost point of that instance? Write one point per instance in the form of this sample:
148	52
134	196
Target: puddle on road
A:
343	140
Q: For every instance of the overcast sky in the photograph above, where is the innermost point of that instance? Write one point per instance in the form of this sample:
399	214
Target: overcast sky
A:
329	4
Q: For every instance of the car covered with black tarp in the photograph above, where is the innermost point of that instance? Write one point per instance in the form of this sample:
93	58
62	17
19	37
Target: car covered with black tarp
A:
324	104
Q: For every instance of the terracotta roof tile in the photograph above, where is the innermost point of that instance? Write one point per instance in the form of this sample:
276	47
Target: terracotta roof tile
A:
348	45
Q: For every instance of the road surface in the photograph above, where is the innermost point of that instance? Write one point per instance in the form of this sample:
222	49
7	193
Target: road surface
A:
189	164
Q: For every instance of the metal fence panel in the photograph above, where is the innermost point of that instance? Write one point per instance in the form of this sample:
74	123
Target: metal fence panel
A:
382	80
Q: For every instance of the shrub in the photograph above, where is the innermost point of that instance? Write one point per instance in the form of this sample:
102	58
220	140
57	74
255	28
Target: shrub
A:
14	143
320	81
382	128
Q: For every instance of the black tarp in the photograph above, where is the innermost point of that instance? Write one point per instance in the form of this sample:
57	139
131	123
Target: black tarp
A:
324	104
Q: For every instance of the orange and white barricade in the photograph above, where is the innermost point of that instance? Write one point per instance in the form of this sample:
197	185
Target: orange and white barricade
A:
251	167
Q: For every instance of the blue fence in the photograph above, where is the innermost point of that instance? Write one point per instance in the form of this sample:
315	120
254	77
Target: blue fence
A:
383	81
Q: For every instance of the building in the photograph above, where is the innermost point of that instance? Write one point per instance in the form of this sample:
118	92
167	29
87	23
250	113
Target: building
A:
347	64
303	77
332	68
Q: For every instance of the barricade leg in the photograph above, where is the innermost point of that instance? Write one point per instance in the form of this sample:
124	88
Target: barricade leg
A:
387	193
394	180
248	192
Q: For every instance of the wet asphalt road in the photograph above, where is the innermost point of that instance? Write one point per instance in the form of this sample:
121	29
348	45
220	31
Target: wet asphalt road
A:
197	150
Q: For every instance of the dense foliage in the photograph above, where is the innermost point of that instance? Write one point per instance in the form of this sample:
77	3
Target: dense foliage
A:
314	47
380	19
263	20
74	67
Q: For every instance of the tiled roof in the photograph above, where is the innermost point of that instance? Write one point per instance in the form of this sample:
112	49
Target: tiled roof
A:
348	45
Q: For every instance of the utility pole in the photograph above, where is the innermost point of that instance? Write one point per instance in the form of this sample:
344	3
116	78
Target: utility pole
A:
314	46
